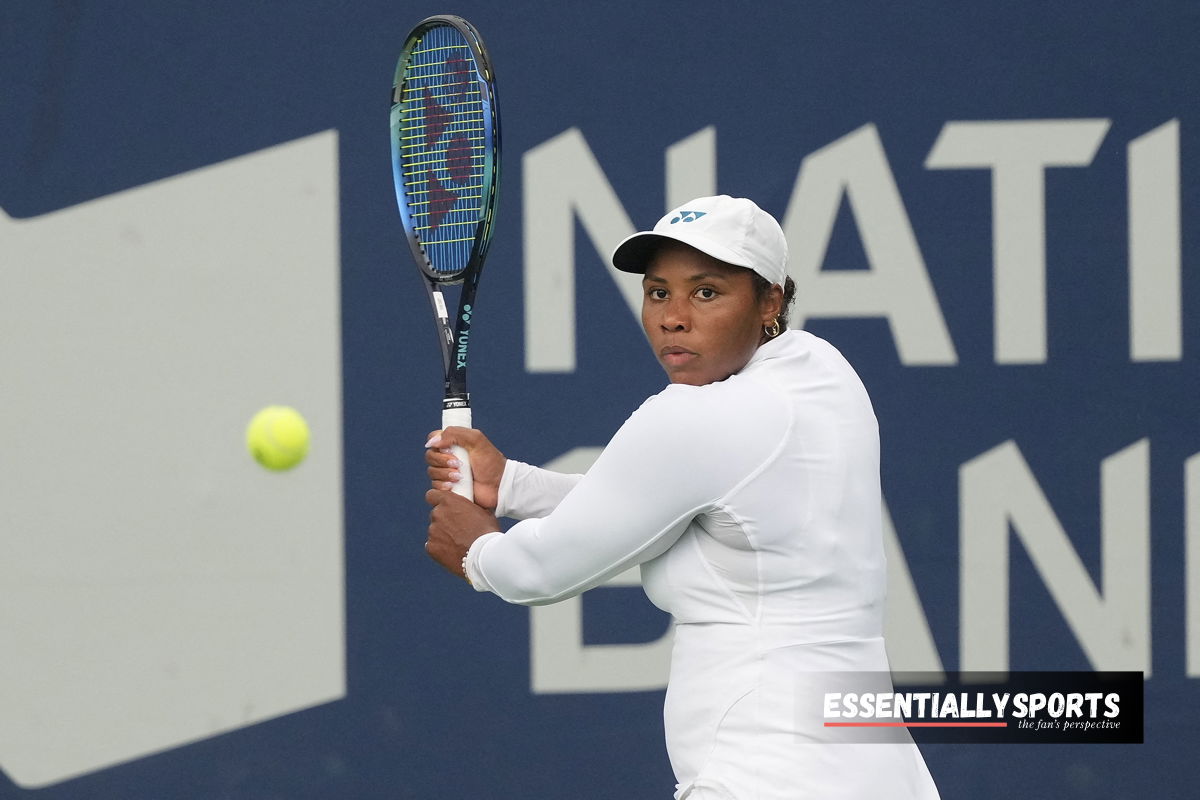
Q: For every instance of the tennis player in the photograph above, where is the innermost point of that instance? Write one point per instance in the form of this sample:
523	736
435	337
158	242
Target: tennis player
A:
747	491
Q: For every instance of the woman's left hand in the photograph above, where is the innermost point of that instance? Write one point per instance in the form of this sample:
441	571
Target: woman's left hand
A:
454	524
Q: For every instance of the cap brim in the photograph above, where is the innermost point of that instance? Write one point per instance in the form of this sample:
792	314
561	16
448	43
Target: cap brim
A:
634	252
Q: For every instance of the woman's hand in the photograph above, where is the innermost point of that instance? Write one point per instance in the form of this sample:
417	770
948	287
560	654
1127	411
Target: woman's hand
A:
487	463
454	523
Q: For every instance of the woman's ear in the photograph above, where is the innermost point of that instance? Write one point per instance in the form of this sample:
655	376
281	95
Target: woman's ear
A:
772	304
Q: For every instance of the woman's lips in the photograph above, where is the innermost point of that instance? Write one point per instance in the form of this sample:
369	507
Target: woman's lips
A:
674	356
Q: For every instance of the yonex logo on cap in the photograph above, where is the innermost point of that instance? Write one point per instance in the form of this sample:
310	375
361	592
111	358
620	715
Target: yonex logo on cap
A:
732	229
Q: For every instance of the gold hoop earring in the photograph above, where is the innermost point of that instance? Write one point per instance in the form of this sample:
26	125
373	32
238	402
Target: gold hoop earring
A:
774	329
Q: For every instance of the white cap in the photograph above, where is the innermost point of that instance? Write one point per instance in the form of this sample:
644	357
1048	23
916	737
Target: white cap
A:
730	229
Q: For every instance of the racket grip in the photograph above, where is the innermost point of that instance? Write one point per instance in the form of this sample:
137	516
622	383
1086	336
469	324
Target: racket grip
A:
460	418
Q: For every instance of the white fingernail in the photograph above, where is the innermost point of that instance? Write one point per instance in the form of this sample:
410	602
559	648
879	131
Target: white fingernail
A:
434	440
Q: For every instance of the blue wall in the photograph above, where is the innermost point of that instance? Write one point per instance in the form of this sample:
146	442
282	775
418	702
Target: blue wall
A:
101	97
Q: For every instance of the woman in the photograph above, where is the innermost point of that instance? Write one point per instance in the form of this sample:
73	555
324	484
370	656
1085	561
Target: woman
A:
747	490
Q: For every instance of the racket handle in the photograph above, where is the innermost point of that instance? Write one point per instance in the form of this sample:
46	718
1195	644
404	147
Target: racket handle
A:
460	418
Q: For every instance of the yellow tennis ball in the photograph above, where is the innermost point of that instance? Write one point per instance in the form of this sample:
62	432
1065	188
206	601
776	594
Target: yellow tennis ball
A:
277	437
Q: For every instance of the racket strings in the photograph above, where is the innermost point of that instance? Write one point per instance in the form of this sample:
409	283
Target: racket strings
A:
417	122
420	148
443	146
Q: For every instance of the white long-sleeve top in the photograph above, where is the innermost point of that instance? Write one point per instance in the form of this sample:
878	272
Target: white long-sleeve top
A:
753	507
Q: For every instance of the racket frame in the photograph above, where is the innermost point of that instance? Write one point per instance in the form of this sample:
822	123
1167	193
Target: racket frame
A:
453	338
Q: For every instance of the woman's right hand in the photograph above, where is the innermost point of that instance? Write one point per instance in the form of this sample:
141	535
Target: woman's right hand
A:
487	463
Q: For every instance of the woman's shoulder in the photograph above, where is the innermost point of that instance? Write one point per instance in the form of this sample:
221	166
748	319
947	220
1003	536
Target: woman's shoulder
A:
722	430
733	406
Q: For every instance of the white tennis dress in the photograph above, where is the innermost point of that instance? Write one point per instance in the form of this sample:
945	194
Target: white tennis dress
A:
753	507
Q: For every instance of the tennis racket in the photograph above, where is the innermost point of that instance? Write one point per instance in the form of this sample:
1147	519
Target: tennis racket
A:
446	165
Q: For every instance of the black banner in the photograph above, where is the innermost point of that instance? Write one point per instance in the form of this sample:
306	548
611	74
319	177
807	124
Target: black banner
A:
977	707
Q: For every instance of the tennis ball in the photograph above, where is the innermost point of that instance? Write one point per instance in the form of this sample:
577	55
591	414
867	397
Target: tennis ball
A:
277	437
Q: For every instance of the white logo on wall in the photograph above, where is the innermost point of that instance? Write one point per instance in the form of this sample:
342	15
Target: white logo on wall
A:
160	587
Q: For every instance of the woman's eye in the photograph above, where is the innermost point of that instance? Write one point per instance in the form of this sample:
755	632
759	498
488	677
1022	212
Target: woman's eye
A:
657	294
706	293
